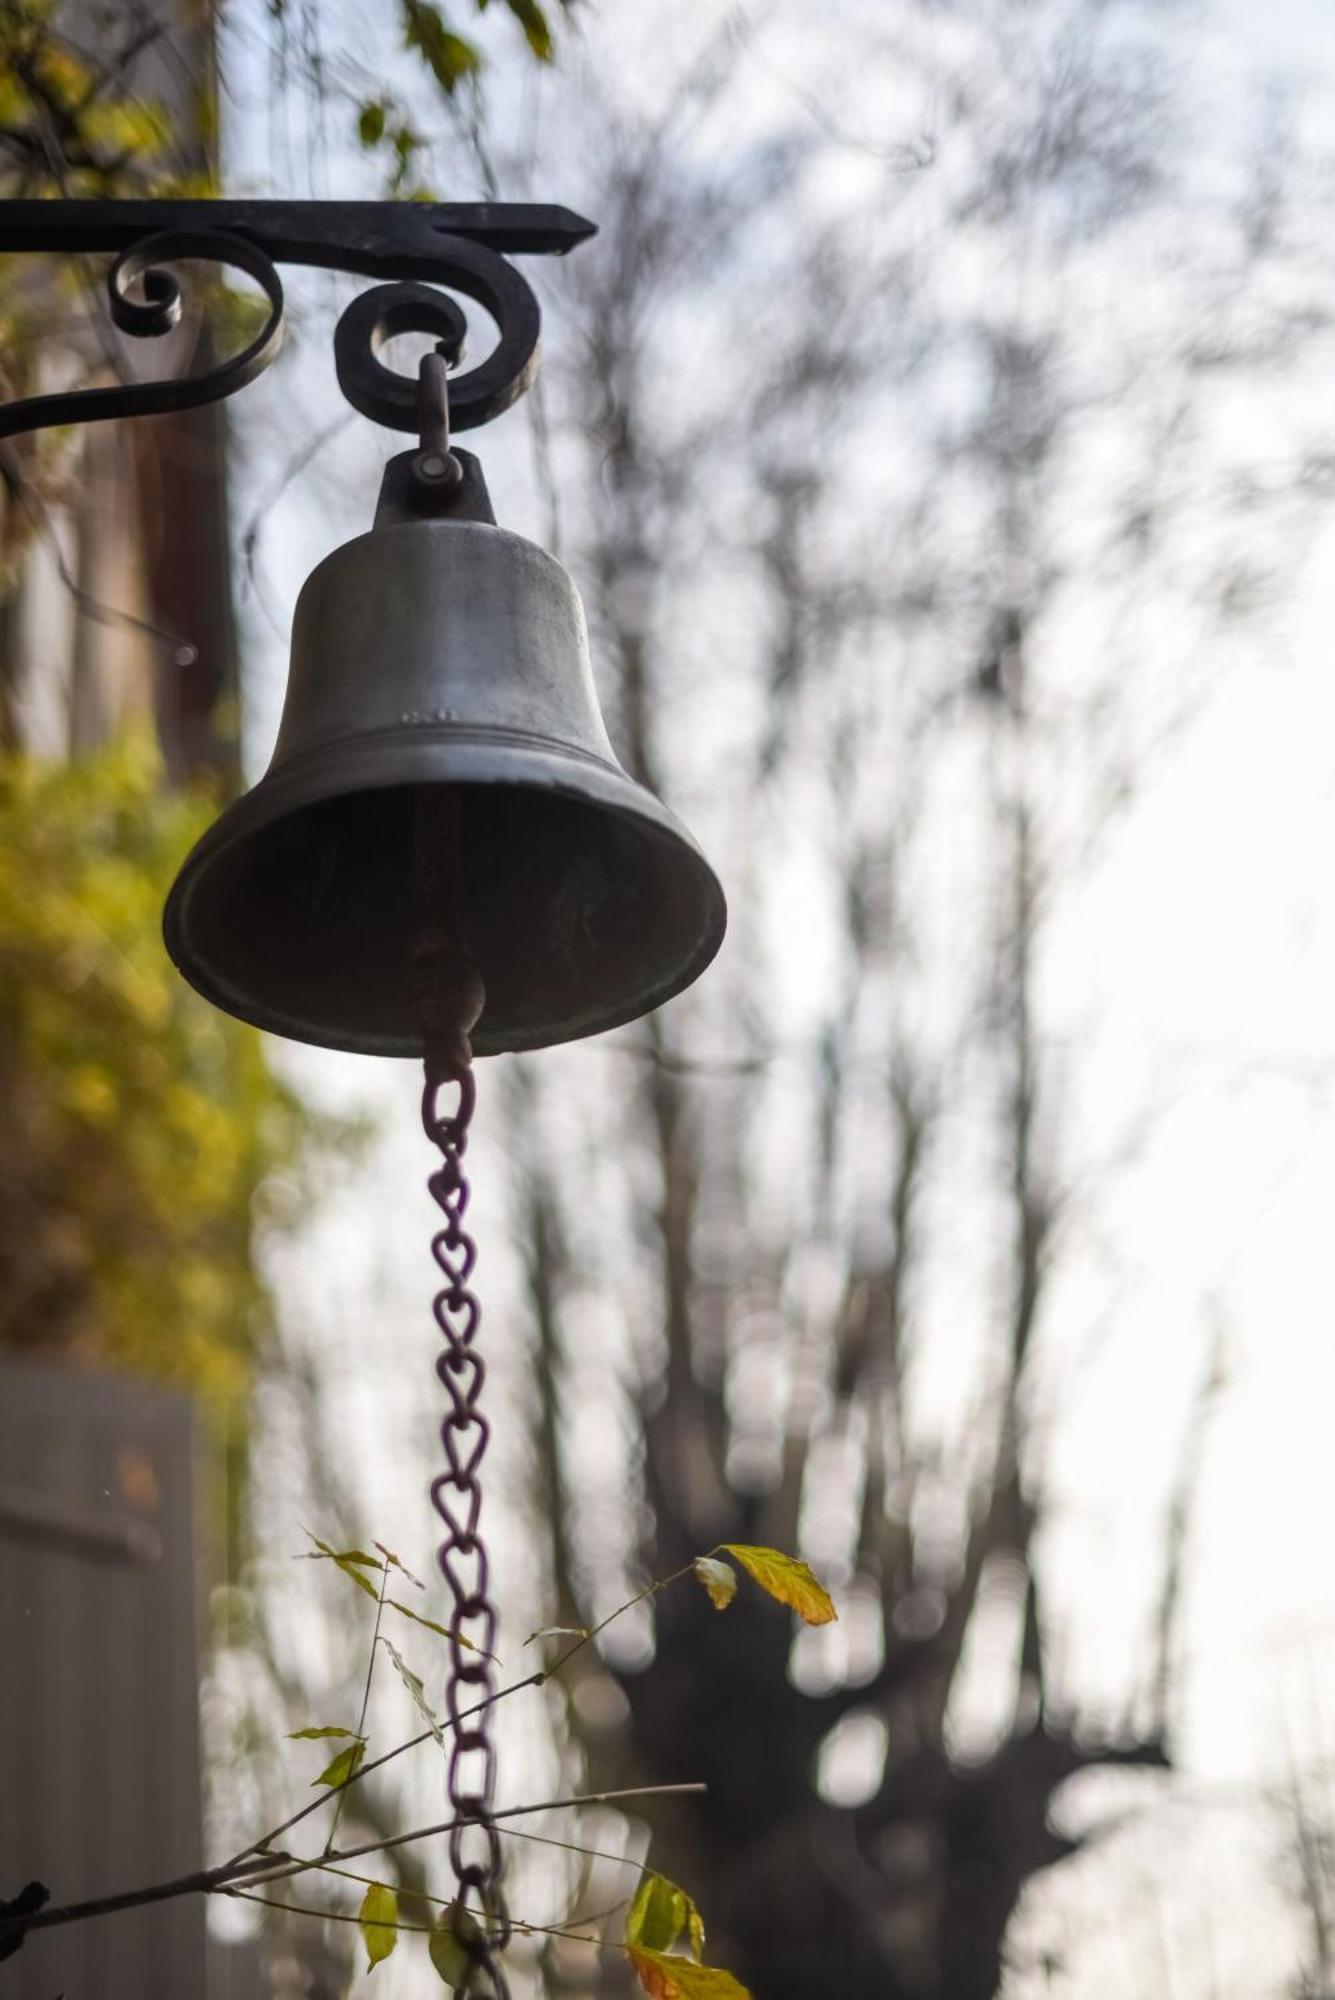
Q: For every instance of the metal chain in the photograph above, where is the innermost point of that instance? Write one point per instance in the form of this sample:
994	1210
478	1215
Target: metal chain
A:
475	1848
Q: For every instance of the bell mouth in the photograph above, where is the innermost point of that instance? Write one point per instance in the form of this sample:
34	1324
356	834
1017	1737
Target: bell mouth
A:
586	904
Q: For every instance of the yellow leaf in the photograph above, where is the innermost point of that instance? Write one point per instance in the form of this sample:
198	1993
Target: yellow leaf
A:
313	1735
344	1766
449	1954
658	1915
348	1561
787	1579
443	1630
358	1556
397	1563
378	1917
665	1977
719	1579
413	1683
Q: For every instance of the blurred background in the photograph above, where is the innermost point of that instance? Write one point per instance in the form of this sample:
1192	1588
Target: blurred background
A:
938	433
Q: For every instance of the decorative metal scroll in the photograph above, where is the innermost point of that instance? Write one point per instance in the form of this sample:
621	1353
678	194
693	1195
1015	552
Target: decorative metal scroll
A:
460	245
154	313
476	397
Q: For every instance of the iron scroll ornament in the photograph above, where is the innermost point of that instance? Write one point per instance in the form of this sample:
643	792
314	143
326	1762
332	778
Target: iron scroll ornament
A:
150	316
461	245
476	397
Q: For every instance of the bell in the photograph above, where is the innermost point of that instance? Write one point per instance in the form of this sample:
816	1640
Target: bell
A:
441	696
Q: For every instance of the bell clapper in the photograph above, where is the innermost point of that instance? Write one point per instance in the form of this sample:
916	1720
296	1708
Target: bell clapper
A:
447	989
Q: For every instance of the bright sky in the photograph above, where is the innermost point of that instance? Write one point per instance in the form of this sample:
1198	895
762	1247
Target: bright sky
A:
1213	931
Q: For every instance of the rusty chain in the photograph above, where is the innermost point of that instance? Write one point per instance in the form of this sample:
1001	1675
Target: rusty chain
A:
475	1848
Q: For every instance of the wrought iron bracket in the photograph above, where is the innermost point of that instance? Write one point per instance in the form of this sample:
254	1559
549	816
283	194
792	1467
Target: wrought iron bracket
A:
413	245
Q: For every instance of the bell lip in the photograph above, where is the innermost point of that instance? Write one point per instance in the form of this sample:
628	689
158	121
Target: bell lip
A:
394	758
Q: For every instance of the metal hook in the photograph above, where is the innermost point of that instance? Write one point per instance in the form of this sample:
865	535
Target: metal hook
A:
435	469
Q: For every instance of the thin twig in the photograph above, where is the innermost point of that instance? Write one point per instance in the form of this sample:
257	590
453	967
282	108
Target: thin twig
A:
446	1902
650	1590
365	1770
203	1881
573	1847
229	1877
273	493
341	1800
330	1916
183	651
292	1866
423	1930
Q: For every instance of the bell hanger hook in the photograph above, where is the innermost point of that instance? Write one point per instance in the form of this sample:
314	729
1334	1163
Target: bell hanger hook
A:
435	469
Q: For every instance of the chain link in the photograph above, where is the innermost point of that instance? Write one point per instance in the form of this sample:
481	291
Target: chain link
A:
475	1848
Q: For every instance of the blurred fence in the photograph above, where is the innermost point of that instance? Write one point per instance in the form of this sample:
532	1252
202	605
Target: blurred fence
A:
99	1677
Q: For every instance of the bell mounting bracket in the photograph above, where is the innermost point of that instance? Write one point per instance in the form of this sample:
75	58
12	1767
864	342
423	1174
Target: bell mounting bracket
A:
410	246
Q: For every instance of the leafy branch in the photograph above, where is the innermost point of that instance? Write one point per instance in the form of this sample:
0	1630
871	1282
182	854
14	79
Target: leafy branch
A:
661	1915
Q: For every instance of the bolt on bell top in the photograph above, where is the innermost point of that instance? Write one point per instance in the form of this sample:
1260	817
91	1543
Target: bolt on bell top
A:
440	692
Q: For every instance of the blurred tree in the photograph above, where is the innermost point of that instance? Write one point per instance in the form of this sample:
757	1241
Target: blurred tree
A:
936	550
1308	1866
116	600
141	1128
915	437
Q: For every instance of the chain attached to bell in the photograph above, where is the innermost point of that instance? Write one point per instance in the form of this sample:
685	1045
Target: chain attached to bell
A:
475	1852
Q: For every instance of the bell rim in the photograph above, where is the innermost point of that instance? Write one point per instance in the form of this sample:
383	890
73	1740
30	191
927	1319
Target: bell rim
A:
391	759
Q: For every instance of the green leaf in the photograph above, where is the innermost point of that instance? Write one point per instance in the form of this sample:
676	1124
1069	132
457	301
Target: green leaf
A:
672	1978
371	124
407	145
378	1917
313	1735
786	1579
396	1562
343	1555
655	1917
415	1688
344	1766
660	1913
537	28
451	1958
719	1579
431	1626
351	1562
447	55
418	1619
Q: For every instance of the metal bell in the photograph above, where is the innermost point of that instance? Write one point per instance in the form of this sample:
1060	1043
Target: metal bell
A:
442	660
